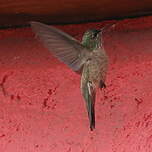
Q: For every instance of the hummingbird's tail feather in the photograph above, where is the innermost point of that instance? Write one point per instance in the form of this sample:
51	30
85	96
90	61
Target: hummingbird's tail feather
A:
91	114
89	95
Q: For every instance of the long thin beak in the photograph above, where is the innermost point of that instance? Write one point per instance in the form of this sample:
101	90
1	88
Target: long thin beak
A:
107	26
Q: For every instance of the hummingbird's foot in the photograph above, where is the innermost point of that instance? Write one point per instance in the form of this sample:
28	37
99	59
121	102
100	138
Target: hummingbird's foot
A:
102	85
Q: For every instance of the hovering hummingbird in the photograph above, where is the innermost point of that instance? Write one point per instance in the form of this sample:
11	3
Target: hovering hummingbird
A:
88	58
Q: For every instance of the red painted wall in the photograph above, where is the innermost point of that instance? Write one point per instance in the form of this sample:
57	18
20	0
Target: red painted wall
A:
42	110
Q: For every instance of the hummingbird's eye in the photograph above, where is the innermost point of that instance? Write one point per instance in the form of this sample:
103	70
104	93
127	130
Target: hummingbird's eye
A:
94	35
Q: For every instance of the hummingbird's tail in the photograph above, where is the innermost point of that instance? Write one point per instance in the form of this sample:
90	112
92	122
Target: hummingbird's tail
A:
89	95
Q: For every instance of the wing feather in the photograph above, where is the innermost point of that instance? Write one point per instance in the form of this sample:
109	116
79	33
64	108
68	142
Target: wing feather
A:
63	46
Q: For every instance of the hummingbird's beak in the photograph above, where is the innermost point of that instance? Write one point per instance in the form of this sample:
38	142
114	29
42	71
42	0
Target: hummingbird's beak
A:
107	26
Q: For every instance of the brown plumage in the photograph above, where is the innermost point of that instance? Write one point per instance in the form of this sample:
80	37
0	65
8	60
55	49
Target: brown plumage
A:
88	57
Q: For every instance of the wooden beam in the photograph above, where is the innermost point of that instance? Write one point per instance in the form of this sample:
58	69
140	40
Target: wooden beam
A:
18	12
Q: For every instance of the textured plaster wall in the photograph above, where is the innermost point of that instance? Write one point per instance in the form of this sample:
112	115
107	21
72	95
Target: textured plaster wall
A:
41	107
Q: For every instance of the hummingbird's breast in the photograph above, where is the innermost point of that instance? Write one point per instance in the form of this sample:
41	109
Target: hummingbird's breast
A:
96	67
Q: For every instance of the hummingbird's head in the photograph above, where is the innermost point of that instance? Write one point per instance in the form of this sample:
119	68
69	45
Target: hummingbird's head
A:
91	39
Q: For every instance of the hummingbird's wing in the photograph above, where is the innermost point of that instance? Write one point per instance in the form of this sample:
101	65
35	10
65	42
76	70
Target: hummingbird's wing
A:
63	46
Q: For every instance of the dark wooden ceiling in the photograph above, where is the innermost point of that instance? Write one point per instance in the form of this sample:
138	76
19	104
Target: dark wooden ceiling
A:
19	12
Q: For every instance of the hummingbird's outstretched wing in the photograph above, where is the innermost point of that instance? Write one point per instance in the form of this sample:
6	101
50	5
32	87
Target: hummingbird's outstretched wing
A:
63	46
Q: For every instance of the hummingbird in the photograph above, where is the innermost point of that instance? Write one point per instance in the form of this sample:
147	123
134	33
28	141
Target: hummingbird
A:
87	58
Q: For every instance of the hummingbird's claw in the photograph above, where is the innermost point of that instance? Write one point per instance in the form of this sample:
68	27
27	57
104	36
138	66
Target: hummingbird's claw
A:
102	85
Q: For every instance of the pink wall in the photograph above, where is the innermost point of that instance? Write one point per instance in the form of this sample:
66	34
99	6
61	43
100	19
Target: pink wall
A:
42	110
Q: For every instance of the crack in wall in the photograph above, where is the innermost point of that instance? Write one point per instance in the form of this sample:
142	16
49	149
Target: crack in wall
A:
2	85
3	82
